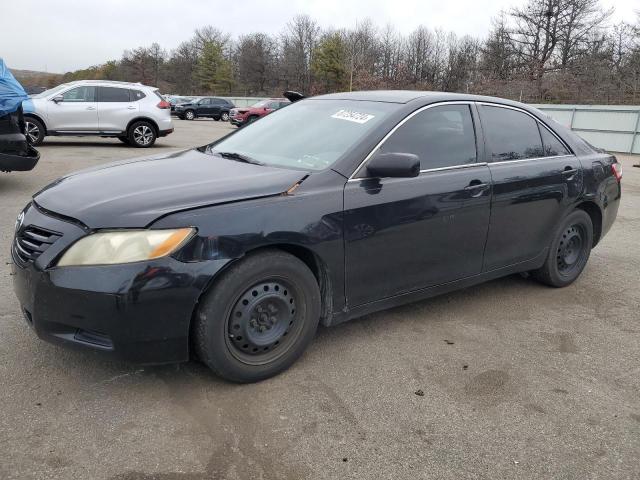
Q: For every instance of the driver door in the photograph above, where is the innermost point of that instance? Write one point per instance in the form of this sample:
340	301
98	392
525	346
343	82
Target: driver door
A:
76	112
406	234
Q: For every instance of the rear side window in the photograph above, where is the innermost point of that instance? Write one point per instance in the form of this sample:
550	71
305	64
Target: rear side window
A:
113	94
511	135
136	95
440	136
552	146
80	94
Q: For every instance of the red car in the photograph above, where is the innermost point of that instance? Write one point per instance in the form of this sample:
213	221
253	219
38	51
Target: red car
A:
242	116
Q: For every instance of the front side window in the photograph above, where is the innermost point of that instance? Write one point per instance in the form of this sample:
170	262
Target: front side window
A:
441	136
511	135
113	94
80	94
204	101
552	146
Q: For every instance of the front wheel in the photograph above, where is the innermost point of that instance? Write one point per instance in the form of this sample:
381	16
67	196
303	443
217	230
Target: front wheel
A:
569	251
34	130
258	318
142	135
189	115
225	117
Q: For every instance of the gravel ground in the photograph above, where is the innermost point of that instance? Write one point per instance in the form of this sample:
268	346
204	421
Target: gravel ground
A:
513	379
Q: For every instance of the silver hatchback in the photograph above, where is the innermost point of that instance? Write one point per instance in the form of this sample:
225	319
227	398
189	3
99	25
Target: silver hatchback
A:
134	113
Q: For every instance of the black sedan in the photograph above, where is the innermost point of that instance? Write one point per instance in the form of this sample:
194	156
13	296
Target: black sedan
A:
326	210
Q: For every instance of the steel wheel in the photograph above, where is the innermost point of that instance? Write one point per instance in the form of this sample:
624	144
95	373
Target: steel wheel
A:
570	249
262	323
143	135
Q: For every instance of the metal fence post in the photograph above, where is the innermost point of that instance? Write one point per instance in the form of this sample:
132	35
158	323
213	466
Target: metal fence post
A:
635	132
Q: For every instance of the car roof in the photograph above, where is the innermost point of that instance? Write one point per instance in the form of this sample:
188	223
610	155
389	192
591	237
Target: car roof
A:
110	83
406	96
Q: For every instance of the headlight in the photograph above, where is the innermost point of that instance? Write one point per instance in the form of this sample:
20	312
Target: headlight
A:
125	246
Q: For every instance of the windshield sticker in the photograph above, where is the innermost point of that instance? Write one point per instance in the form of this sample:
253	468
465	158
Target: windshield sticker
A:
352	116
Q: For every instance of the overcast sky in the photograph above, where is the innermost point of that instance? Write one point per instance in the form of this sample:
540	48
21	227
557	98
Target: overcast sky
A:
63	35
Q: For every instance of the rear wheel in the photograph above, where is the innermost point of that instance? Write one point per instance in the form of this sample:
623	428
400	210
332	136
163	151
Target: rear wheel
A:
569	251
34	130
142	135
258	318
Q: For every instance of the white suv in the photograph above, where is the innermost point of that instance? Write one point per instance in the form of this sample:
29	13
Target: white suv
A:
134	113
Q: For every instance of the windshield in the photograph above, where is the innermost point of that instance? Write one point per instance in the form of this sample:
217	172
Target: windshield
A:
53	90
310	134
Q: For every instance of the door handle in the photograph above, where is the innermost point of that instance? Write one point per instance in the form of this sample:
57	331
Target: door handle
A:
131	107
91	108
476	187
568	171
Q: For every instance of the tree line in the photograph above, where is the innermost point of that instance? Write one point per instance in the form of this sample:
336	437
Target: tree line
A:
561	51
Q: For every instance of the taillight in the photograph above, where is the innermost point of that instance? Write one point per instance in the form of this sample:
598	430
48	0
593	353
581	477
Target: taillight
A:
616	168
163	105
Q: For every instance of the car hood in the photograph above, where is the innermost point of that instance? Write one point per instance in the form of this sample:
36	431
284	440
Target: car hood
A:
134	193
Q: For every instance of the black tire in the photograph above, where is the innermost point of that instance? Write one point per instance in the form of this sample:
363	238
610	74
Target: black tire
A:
258	318
124	140
252	119
569	251
35	131
189	115
142	134
225	116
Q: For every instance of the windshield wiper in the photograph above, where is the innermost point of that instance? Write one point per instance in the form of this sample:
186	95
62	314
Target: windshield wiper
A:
239	157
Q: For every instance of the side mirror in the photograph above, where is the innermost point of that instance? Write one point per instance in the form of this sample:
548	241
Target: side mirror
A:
58	99
403	165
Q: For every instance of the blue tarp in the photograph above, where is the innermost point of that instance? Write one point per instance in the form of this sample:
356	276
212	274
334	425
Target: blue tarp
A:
11	92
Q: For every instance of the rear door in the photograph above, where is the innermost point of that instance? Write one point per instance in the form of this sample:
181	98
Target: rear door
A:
535	181
77	112
116	108
404	234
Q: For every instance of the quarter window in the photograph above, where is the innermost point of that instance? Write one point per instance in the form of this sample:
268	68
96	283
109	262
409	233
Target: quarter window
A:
440	136
80	94
552	146
511	135
137	95
113	94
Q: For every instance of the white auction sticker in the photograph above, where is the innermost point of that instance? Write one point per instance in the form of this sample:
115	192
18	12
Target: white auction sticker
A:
352	116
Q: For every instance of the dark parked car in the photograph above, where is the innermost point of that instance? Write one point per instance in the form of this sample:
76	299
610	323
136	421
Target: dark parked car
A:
243	116
212	107
173	101
16	153
329	209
